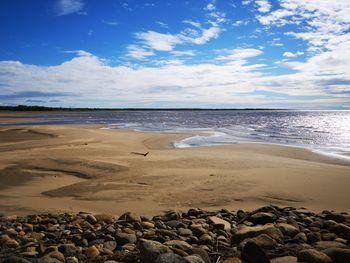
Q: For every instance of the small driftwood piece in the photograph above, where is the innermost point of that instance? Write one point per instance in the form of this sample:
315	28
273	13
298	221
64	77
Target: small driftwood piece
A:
143	154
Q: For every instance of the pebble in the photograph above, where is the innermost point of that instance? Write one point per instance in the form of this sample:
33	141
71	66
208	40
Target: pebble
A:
313	256
274	234
92	252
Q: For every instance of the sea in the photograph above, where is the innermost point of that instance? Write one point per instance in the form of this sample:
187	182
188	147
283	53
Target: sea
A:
326	132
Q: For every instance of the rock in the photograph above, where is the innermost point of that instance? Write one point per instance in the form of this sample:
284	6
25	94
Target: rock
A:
15	259
206	239
124	238
265	241
287	229
219	221
300	237
11	243
252	253
178	244
338	255
92	252
321	245
56	255
185	232
328	236
250	232
105	218
313	256
111	245
68	250
232	260
175	224
172	215
130	217
198	230
170	258
147	225
286	259
91	219
194	259
341	230
150	250
339	218
313	237
72	260
202	254
262	218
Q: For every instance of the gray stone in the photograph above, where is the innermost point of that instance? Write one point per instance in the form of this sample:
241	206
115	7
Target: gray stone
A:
91	219
313	256
263	218
124	238
169	258
202	253
180	244
150	250
287	229
194	259
68	250
111	245
185	232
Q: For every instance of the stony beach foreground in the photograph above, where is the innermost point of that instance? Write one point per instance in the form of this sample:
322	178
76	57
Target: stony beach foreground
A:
267	234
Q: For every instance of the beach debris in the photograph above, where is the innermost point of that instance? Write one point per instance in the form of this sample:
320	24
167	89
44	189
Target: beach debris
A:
195	236
143	154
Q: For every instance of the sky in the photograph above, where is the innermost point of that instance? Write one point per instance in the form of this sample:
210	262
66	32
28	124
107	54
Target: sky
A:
175	53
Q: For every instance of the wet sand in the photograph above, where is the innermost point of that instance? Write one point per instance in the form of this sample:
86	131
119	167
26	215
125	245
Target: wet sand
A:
88	168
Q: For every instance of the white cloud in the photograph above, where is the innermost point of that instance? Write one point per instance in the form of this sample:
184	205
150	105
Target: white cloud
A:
240	23
66	7
206	35
166	42
111	23
263	6
192	23
158	41
239	54
183	53
323	20
210	7
292	55
91	79
137	52
162	24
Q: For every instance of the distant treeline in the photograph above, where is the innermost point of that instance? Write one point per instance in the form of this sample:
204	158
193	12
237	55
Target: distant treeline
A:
43	108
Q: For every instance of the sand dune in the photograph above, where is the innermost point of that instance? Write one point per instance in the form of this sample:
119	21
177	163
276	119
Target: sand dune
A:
86	168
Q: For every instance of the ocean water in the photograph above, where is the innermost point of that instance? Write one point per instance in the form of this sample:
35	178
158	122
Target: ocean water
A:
323	131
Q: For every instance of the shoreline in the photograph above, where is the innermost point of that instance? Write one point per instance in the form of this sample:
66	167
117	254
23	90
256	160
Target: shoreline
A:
13	119
86	168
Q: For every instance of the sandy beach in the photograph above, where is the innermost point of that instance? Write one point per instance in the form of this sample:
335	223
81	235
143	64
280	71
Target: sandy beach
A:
89	168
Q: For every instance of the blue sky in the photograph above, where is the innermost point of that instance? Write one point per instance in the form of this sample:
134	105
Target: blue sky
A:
214	54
